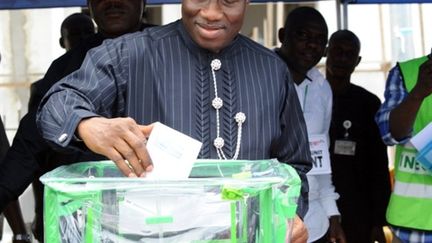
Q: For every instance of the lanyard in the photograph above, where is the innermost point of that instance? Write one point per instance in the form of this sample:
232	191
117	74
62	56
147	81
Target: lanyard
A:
305	96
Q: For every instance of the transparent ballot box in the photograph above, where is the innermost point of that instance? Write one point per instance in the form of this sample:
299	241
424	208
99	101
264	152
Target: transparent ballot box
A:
221	201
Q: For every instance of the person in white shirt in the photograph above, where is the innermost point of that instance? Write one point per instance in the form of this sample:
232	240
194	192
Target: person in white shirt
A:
304	39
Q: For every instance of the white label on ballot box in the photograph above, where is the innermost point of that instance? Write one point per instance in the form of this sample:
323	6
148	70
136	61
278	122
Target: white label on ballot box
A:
320	155
172	152
180	210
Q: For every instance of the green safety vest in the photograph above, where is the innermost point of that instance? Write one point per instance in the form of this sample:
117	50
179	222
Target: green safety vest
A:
410	204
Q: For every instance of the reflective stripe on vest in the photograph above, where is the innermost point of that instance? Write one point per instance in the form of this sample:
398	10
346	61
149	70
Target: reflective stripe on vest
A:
412	190
411	201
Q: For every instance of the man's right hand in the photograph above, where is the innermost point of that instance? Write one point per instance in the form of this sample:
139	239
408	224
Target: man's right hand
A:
423	87
403	116
121	140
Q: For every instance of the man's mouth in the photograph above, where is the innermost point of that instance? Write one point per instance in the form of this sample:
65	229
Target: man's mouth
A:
309	58
210	30
114	12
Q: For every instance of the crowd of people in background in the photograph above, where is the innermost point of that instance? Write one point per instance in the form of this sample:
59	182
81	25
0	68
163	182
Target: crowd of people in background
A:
346	199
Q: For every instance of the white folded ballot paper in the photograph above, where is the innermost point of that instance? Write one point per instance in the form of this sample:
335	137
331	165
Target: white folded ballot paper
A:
172	152
422	141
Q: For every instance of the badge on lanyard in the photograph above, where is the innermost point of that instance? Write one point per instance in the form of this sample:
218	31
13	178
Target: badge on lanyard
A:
345	146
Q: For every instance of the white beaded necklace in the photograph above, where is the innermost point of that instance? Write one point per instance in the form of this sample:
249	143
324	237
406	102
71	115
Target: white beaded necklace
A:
217	103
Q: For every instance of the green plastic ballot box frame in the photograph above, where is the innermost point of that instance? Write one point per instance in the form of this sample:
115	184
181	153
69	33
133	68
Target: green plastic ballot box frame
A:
221	201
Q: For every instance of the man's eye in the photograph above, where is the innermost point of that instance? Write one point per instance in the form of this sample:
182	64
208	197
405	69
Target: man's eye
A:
302	34
200	1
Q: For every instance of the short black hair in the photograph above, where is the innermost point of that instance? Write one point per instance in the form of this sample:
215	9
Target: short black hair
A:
76	19
303	15
346	35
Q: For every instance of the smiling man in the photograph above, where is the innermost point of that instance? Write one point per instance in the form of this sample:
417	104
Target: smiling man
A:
117	17
190	75
304	39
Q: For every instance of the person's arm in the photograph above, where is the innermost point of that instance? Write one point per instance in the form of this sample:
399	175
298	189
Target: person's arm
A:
396	116
11	208
15	220
19	165
299	232
293	145
55	72
336	233
395	93
378	178
96	89
403	116
4	142
328	197
82	106
119	139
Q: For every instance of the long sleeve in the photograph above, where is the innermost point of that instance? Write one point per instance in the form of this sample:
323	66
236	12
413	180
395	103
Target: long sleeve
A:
395	93
316	98
325	189
160	74
294	145
379	175
90	91
4	142
327	194
20	163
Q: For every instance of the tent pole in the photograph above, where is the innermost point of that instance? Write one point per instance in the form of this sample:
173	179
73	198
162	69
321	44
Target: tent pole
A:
422	29
345	15
338	14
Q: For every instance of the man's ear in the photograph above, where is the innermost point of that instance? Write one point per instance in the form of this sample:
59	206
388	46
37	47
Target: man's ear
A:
61	42
281	35
358	60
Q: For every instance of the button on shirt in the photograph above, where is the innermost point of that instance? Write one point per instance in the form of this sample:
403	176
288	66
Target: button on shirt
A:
63	138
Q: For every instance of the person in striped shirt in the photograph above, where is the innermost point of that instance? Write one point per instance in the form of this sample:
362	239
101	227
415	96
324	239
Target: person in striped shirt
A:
197	75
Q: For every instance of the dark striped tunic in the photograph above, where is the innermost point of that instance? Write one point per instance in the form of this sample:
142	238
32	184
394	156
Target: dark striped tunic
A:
160	74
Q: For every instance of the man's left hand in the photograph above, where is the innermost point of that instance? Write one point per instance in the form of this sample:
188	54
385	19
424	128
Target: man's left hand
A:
299	232
336	233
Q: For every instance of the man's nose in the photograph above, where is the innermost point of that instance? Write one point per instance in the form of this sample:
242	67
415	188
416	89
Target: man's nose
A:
112	2
212	10
314	42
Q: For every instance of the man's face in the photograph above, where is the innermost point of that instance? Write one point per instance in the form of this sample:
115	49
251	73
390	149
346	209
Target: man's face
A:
117	17
73	36
305	45
342	58
213	24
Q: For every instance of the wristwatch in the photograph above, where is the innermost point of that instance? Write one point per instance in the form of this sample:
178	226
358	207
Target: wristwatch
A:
25	237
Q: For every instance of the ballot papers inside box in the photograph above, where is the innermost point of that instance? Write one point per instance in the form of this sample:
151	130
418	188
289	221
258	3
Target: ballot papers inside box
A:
221	201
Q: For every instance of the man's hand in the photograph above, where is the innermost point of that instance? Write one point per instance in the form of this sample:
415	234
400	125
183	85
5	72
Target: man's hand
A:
121	140
423	87
403	116
378	234
299	232
336	233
